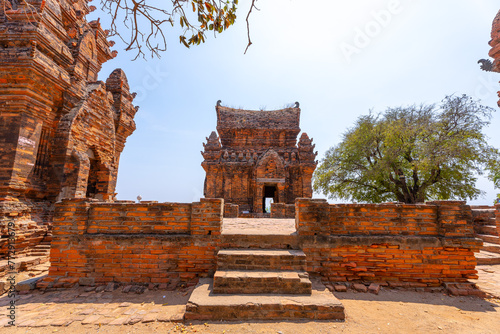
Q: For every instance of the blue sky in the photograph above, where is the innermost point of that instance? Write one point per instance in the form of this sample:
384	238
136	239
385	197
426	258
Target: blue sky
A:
339	59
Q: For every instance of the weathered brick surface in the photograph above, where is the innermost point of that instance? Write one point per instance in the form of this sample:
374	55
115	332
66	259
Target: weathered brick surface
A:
61	130
419	245
231	210
282	210
257	156
140	243
261	259
205	305
261	282
495	46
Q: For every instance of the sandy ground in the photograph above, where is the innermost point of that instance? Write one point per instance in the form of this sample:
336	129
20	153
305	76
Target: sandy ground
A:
392	311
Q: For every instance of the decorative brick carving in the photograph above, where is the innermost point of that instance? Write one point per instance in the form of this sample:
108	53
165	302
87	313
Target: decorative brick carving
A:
61	130
257	156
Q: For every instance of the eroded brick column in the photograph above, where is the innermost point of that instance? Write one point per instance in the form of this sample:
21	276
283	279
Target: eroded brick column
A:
312	216
67	257
454	219
206	216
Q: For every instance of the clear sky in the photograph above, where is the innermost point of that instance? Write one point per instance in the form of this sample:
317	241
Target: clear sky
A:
339	59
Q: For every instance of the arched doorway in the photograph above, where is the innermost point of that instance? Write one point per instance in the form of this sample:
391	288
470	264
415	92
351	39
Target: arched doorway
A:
269	181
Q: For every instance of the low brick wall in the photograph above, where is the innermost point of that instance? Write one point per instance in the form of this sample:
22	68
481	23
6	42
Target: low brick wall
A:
173	243
167	243
231	210
282	210
409	245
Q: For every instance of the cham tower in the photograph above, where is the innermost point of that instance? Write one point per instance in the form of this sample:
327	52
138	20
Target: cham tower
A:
495	46
256	156
61	129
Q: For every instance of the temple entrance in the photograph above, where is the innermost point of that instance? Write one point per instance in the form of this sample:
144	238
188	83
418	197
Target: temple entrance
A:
270	196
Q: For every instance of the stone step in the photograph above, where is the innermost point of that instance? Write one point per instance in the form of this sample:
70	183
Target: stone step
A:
486	229
262	241
493	239
320	305
492	248
39	254
259	282
484	257
261	259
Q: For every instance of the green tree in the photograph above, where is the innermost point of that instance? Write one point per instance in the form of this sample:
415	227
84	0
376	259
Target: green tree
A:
145	21
411	154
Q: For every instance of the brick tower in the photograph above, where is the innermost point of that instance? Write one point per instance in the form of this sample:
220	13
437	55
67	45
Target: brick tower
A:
257	157
495	46
61	130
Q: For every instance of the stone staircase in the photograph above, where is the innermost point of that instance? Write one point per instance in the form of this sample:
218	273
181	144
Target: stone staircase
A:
42	249
486	229
261	271
261	282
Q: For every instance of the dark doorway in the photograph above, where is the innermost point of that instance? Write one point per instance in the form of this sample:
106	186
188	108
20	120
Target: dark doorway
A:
270	192
92	178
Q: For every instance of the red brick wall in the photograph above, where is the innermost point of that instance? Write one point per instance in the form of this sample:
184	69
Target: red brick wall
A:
140	243
410	245
417	245
282	210
164	218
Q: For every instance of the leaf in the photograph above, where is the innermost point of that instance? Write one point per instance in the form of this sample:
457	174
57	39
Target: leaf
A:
183	41
182	21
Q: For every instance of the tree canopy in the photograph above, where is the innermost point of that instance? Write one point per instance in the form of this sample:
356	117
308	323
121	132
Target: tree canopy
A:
145	22
412	154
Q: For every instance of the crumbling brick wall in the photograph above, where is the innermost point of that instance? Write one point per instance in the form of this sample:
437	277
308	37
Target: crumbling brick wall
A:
410	245
169	243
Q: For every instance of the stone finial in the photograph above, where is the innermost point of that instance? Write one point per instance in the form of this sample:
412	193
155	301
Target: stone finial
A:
117	82
304	140
213	142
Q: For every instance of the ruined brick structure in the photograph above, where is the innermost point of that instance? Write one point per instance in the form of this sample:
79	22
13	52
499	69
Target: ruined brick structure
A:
495	46
257	157
61	130
173	243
